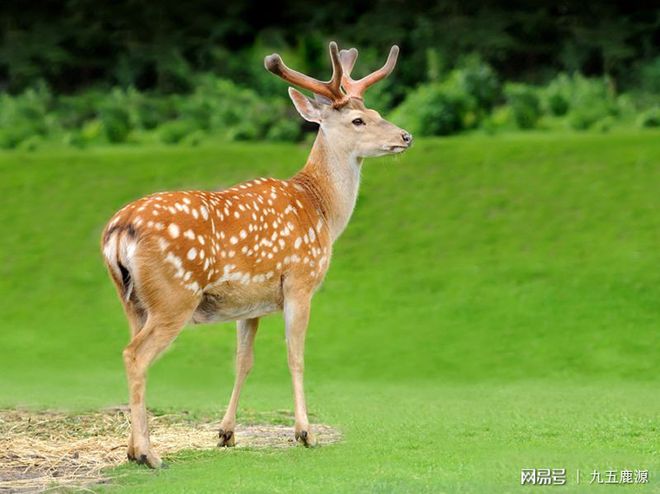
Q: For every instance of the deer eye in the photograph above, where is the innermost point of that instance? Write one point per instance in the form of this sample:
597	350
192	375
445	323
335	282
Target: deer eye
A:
358	121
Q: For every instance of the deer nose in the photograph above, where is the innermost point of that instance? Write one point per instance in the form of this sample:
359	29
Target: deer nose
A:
407	138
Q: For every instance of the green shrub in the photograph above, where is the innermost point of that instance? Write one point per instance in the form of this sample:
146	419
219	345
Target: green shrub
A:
557	95
232	104
500	118
72	112
196	109
116	124
458	103
176	130
12	135
145	111
244	131
24	115
286	129
591	101
479	80
32	105
583	117
436	109
215	106
115	116
195	138
73	138
650	118
605	124
91	131
150	112
32	143
583	100
524	103
465	99
219	105
626	106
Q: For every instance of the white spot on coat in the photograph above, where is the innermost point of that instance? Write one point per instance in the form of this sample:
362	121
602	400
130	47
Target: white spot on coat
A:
173	230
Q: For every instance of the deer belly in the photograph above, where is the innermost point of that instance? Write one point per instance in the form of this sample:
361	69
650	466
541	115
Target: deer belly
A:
220	306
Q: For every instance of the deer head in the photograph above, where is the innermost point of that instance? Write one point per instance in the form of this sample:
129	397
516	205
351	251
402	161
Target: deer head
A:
338	105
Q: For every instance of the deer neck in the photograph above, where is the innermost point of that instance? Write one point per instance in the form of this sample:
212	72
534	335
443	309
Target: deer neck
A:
331	178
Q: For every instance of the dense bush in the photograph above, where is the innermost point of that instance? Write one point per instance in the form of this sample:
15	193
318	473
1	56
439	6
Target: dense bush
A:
12	136
649	118
458	103
585	101
557	95
471	96
215	106
175	131
468	97
524	103
24	116
591	100
73	111
479	80
434	109
115	118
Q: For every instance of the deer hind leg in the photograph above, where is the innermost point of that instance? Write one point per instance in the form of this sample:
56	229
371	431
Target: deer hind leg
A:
296	318
137	318
156	335
136	315
169	307
246	330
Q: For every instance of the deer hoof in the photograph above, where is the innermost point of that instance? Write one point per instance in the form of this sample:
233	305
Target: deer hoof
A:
306	438
149	459
227	439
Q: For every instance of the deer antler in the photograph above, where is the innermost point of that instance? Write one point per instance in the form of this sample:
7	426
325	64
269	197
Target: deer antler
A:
356	89
330	89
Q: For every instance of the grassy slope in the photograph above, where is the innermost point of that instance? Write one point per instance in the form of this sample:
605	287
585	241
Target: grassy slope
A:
493	305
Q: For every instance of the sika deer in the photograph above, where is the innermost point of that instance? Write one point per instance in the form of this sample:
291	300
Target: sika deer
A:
239	254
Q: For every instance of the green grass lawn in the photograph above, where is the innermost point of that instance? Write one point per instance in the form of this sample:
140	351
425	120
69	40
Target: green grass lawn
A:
494	305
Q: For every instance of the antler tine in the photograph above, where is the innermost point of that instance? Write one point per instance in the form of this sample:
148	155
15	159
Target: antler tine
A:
337	71
330	89
348	58
356	89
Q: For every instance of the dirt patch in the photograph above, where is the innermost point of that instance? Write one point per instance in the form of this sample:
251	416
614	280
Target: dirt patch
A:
49	450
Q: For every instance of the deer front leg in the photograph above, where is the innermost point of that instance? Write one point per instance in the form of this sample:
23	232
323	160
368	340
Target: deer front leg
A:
296	318
245	332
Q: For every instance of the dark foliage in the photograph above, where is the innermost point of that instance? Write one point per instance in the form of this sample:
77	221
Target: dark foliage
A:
72	44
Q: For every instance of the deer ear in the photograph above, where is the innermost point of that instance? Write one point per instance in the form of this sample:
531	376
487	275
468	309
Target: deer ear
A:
310	110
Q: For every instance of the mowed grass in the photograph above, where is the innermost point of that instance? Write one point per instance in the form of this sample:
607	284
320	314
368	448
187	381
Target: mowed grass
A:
493	305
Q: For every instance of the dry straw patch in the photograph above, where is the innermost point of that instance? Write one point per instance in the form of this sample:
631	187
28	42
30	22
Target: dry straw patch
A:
41	451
